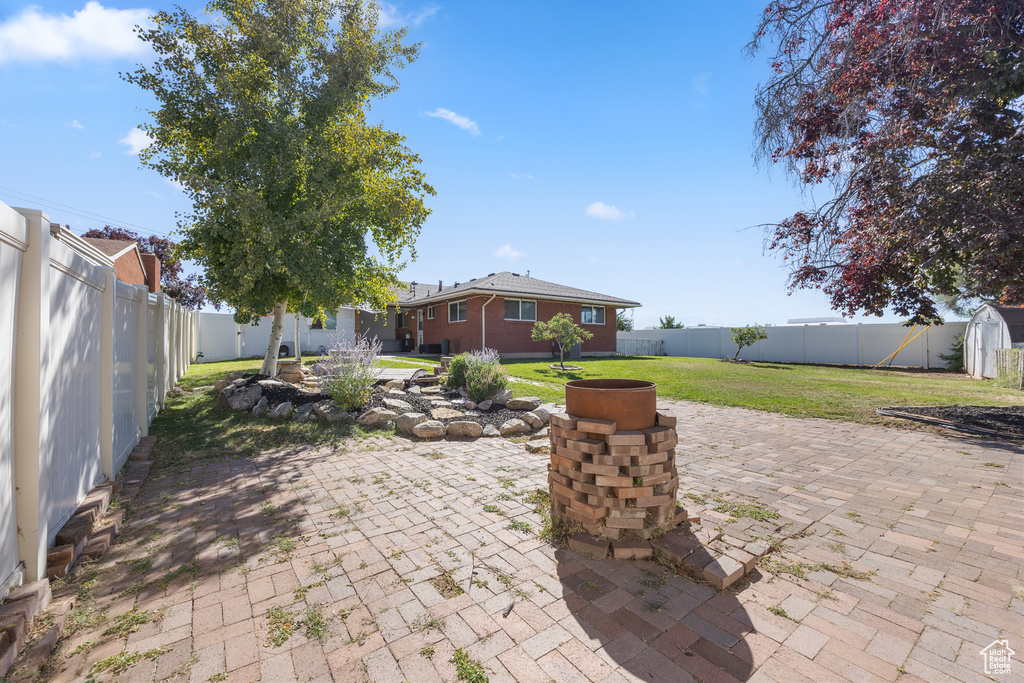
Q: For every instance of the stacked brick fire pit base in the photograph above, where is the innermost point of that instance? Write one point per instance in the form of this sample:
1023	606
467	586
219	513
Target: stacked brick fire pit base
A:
613	473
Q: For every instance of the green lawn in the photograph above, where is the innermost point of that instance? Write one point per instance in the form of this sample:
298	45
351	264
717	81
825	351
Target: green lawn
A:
841	393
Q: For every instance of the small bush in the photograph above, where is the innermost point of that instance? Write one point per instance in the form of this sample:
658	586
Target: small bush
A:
349	371
457	371
955	358
480	372
746	336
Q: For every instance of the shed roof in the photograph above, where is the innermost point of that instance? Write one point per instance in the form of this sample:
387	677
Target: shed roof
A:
1013	316
507	283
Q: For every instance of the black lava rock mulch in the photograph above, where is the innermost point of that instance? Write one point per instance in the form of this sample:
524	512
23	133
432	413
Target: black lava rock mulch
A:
1002	420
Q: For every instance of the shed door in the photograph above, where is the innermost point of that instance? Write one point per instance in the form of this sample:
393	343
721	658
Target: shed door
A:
991	339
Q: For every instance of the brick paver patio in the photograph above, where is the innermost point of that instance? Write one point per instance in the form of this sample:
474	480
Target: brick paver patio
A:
897	555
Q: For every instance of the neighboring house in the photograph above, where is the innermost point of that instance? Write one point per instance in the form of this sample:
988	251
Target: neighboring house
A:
991	327
131	266
498	312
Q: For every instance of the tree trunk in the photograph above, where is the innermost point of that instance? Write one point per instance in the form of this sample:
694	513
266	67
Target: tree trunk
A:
737	354
298	345
561	356
276	332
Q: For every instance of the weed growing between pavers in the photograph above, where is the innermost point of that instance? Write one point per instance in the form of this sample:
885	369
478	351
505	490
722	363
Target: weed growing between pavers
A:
281	624
446	586
469	670
129	622
123	660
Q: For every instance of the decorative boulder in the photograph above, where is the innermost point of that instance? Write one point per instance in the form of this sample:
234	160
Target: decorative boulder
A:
397	405
503	397
431	429
405	422
262	408
482	405
523	403
445	413
291	377
375	417
534	420
514	428
396	384
267	383
415	390
491	430
332	413
219	385
380	389
238	397
282	411
465	428
304	413
543	413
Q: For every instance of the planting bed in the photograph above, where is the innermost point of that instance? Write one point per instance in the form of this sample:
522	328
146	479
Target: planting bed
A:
998	420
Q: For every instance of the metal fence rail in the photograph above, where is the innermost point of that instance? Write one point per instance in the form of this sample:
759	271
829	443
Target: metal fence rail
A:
639	347
1010	367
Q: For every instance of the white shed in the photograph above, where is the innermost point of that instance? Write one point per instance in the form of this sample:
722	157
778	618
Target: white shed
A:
991	327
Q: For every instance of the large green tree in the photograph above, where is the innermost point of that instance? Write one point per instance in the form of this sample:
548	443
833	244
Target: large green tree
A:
262	120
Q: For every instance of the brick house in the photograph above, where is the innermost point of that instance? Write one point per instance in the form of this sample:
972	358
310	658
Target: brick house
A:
131	266
498	312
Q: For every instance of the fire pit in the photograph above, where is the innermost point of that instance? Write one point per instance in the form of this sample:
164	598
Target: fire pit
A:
613	461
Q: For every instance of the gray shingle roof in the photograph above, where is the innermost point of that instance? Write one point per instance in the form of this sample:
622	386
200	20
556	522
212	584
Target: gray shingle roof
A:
1014	318
111	248
507	283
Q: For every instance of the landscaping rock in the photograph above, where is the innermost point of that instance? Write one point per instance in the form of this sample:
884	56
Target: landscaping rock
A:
534	420
395	384
415	390
491	430
397	405
481	406
380	389
304	413
514	428
522	403
543	413
503	397
396	392
281	411
332	413
430	429
404	423
262	407
240	397
445	413
538	445
465	429
375	417
269	383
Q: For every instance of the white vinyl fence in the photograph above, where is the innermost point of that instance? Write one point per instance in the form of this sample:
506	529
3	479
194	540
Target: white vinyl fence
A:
860	344
219	337
85	363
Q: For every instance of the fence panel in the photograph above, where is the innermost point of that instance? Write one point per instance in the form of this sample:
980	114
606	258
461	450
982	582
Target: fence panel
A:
151	356
1010	367
13	242
129	306
217	337
639	347
76	310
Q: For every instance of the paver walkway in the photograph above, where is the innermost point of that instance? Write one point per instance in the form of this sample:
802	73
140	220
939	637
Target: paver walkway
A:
898	555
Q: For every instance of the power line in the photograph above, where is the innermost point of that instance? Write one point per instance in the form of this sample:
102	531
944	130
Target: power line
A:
75	211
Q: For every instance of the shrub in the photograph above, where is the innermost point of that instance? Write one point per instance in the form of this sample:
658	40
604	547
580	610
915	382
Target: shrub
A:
457	371
480	372
955	358
349	370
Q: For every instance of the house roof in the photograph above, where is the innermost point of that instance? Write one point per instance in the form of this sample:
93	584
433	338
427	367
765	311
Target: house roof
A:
1013	316
112	248
507	284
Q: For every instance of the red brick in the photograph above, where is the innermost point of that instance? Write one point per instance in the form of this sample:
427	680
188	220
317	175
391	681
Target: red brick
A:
585	544
631	549
595	426
627	438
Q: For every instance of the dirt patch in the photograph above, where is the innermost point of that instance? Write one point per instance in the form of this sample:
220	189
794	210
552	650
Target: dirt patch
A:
1000	420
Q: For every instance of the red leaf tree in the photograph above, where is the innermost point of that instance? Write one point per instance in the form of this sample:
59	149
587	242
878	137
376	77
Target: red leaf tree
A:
910	113
186	290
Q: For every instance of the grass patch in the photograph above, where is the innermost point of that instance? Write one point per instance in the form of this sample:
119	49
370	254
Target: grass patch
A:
469	670
754	510
838	393
129	622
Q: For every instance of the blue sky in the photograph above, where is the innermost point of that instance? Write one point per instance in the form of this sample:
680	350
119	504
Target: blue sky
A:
600	145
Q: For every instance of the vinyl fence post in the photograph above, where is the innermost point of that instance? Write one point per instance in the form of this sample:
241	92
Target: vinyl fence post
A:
32	386
107	374
160	357
141	299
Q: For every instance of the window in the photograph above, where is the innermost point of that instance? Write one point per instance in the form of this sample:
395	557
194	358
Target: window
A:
430	312
457	311
592	315
331	324
520	309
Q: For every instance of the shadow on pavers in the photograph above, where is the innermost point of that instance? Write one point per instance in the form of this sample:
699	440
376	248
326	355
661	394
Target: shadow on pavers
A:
658	625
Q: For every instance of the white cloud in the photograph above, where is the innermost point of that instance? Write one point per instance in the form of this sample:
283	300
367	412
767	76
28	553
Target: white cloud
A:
459	120
73	123
136	141
508	252
94	32
391	17
606	212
